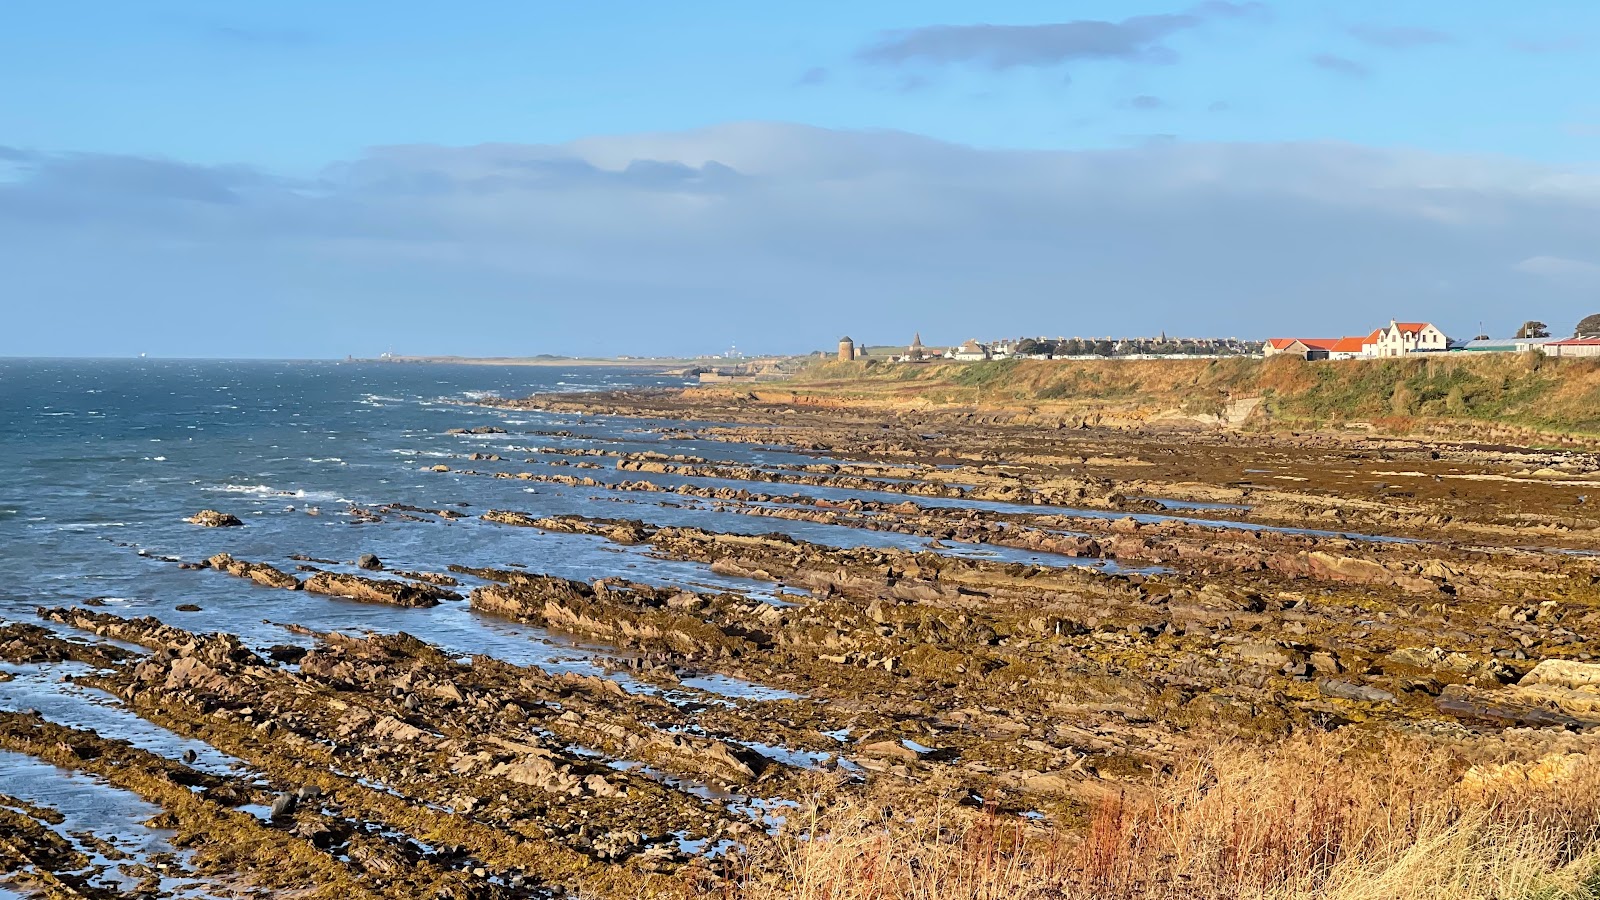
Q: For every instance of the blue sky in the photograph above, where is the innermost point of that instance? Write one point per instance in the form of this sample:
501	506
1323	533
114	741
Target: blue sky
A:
483	177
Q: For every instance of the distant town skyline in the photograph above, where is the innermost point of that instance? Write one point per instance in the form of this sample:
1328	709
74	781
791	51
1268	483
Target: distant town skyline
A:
499	178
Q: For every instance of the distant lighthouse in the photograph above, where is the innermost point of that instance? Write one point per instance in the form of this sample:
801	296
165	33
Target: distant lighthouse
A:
847	349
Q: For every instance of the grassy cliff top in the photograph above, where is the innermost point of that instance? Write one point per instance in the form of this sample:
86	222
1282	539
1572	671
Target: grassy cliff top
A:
1512	389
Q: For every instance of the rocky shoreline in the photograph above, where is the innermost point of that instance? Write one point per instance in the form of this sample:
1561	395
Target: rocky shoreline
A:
1028	616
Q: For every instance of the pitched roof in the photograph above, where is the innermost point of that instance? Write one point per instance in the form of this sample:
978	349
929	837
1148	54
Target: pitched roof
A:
1348	345
1574	342
1310	343
1411	327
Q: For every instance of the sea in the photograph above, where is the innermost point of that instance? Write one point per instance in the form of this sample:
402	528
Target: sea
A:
102	461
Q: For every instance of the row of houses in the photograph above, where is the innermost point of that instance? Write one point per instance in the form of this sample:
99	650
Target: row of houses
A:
974	350
1398	339
1407	338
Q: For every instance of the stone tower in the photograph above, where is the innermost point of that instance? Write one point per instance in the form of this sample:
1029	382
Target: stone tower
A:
847	349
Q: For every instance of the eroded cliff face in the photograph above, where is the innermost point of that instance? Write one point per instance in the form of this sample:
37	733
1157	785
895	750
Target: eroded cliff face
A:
1496	397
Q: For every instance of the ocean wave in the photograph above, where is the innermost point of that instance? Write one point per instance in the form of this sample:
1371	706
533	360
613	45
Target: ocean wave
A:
262	490
325	459
154	458
480	395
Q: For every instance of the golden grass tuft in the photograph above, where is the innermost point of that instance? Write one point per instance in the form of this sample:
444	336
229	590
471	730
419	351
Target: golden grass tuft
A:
1318	818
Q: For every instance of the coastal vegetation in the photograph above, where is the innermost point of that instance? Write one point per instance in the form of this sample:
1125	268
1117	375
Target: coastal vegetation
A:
1421	392
1319	817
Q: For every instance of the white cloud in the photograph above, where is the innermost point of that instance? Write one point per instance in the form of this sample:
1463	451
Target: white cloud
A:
790	233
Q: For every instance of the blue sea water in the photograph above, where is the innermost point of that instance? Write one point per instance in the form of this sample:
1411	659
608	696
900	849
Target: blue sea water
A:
103	460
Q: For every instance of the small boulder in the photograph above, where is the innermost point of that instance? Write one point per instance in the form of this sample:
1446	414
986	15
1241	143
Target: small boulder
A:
211	518
370	562
1344	690
283	806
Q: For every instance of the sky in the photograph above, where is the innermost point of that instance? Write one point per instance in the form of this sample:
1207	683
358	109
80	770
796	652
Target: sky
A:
301	179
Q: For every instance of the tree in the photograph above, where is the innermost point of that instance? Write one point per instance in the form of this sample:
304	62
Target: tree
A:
1532	329
1588	328
1104	348
1482	337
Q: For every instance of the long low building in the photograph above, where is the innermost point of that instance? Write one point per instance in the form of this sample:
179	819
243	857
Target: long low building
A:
1500	345
1572	347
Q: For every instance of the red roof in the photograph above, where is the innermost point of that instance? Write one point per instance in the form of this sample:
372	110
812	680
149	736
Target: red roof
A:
1310	343
1574	342
1412	327
1349	345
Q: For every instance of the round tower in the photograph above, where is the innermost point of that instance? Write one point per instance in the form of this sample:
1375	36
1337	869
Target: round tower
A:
847	349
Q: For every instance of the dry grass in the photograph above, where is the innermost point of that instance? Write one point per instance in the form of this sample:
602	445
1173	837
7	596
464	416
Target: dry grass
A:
1312	818
1508	389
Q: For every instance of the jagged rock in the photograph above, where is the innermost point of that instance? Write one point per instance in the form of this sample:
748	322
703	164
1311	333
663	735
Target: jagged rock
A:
890	749
375	590
1565	685
260	573
1344	690
211	518
1543	773
1500	708
370	562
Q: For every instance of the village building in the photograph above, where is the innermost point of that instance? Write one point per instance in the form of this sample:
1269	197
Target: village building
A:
1398	339
847	349
1404	338
1500	345
1305	348
1354	347
970	351
1572	347
919	352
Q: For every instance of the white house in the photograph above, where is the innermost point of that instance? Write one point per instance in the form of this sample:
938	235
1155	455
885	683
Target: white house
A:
1402	338
971	351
